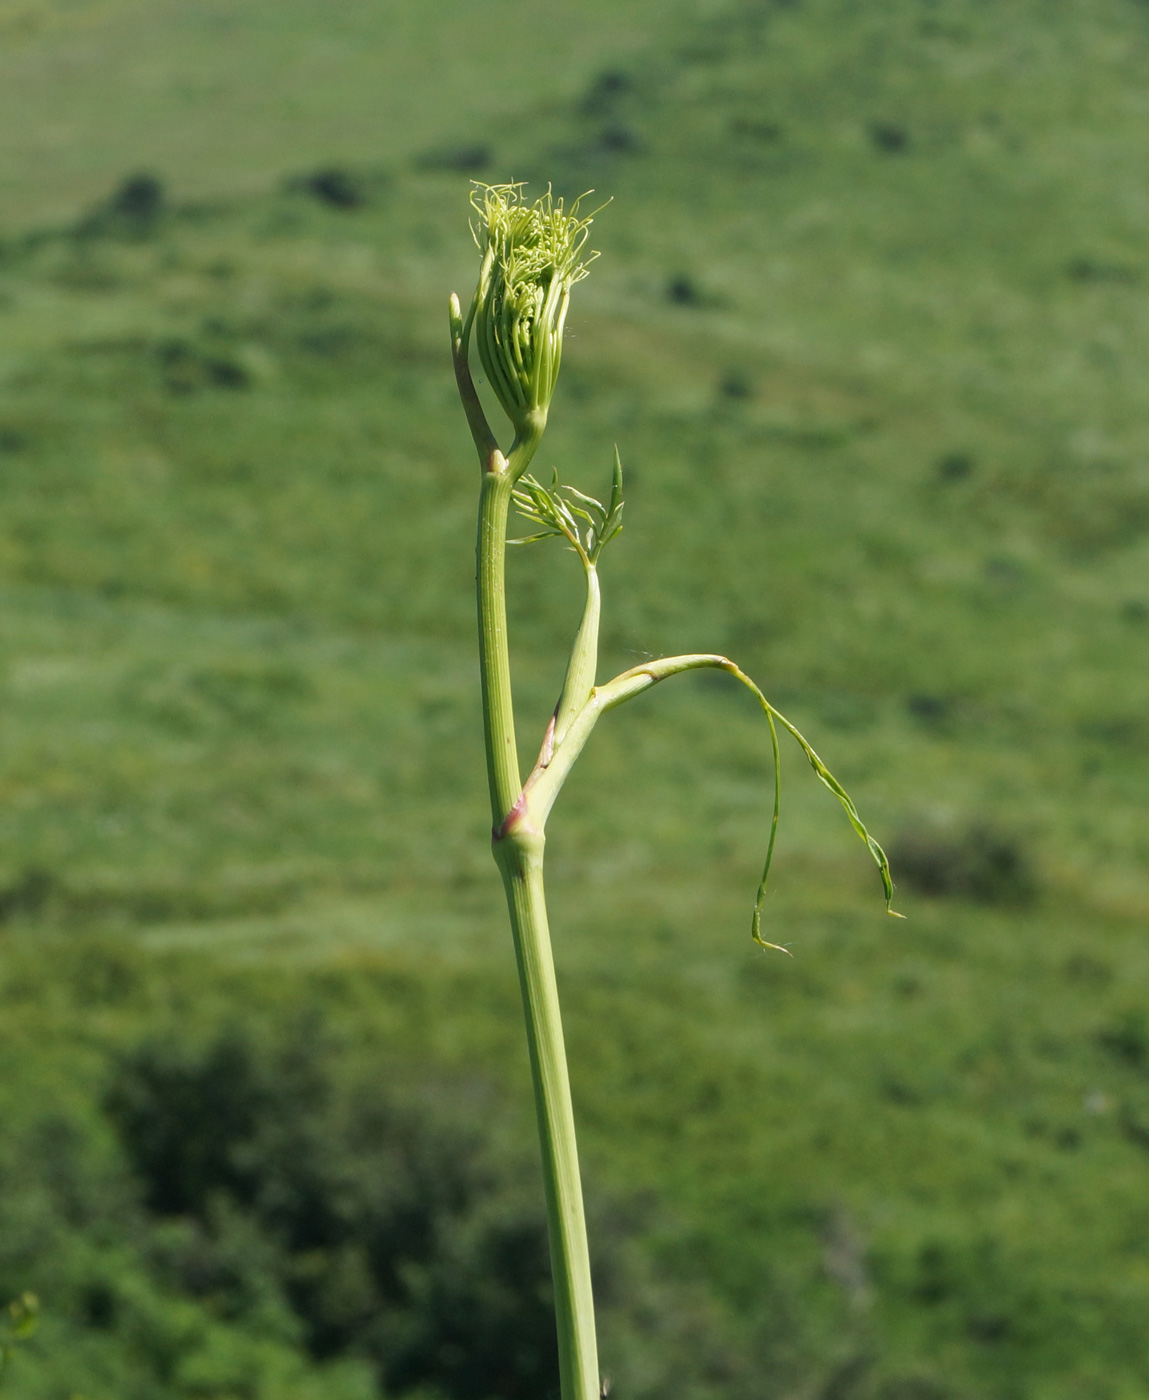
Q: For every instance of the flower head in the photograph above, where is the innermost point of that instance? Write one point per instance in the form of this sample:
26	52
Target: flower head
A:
533	254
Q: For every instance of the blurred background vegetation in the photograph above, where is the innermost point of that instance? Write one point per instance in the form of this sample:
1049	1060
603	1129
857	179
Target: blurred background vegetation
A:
871	330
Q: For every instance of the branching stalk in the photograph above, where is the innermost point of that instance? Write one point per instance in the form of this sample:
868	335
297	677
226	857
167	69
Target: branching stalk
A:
531	257
518	847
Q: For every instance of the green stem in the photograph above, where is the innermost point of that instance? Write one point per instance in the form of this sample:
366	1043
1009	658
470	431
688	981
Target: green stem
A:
494	652
579	684
520	857
518	849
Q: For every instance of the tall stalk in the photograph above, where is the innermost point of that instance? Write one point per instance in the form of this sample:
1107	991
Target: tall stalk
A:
532	255
518	847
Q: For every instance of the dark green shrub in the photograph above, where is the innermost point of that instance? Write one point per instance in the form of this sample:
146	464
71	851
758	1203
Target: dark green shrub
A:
391	1224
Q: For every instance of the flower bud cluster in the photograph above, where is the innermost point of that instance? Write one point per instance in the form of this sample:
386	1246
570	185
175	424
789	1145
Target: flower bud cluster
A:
533	254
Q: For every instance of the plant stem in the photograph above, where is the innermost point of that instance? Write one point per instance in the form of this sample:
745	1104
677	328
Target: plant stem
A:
520	858
518	849
494	652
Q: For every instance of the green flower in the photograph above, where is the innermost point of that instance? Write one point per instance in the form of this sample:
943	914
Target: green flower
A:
533	254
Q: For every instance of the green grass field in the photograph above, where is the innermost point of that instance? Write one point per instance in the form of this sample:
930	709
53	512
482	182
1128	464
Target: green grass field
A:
870	328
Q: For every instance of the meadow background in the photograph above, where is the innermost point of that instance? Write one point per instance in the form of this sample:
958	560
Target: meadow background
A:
871	330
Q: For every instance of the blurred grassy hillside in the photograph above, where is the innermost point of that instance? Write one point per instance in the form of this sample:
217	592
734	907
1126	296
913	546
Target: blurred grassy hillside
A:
220	96
870	330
